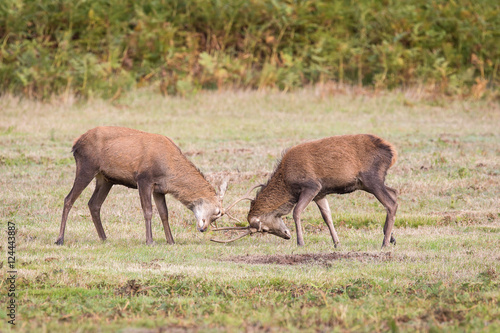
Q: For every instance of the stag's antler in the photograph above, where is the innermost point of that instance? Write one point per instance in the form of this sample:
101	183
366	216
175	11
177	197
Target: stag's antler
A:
244	197
222	189
249	232
214	223
248	229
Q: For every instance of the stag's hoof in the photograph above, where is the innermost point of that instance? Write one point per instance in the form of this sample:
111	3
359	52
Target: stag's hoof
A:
392	241
59	241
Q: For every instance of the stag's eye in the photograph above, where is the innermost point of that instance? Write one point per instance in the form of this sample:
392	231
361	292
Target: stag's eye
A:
217	212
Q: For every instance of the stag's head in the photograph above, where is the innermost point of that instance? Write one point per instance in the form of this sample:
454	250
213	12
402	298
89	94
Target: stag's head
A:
208	209
269	223
266	212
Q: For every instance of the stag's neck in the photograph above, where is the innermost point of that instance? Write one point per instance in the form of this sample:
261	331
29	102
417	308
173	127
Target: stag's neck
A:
275	197
194	199
190	196
189	188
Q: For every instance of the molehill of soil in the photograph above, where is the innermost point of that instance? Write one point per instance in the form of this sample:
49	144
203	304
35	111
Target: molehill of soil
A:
311	258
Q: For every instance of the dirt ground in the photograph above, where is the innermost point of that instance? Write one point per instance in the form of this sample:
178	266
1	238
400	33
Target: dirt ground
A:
312	258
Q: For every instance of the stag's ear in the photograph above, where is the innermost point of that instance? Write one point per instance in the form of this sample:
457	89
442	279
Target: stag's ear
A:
222	188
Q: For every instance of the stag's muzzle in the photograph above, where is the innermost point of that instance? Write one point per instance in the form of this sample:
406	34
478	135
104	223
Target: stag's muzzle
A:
283	233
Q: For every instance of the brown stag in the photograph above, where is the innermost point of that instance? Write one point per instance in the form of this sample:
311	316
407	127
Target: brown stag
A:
151	163
312	170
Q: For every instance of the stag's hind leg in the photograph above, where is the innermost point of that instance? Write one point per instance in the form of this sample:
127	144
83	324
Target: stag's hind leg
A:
145	188
102	188
324	208
83	177
161	205
387	197
393	193
391	207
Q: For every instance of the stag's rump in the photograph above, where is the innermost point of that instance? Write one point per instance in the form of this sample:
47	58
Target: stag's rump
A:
338	163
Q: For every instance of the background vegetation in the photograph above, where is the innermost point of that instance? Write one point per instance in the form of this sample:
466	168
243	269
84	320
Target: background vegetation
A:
104	47
443	275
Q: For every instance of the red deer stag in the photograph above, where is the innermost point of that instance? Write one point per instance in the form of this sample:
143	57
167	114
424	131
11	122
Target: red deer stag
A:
310	171
151	163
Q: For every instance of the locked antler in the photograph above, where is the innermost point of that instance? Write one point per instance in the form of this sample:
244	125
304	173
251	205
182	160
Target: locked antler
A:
244	197
249	232
248	229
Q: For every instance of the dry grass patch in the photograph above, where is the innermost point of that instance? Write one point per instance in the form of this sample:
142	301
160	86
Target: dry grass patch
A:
322	259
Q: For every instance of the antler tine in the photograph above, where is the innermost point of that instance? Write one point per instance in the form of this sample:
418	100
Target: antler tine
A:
244	197
234	203
233	218
249	232
230	228
231	240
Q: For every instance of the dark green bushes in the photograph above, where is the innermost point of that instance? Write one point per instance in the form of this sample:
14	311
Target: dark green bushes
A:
103	47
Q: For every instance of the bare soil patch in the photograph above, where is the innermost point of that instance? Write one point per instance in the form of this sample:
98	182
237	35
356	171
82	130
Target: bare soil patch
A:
312	258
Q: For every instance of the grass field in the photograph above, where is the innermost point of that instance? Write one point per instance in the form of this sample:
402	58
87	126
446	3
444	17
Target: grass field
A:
443	274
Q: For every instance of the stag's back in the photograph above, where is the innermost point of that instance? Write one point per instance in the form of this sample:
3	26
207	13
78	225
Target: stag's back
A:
121	154
338	160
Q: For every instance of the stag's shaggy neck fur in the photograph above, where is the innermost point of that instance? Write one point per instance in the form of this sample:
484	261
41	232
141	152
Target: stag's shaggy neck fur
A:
275	197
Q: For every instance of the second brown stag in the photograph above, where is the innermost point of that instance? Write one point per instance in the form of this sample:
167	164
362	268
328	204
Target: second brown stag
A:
310	171
151	163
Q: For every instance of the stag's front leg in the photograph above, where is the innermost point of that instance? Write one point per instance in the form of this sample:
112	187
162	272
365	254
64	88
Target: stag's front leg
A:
306	196
145	191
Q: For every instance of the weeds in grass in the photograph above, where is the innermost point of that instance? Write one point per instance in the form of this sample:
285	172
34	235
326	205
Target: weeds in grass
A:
104	48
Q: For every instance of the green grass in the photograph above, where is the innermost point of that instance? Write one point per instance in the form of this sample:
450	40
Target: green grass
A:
443	274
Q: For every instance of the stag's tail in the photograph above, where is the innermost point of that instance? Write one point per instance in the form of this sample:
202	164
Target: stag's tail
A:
387	147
